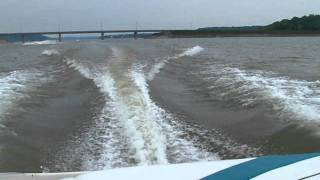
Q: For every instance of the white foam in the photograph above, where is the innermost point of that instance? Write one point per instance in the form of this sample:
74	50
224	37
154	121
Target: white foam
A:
297	99
10	85
111	139
192	51
182	149
157	139
12	88
78	66
50	52
40	42
159	65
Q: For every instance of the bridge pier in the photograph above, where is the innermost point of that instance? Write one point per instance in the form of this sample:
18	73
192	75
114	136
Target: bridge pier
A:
102	36
23	38
135	35
60	37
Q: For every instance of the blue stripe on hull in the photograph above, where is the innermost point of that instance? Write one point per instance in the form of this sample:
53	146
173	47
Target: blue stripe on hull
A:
253	168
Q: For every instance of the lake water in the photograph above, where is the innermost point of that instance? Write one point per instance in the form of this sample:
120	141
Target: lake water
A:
95	105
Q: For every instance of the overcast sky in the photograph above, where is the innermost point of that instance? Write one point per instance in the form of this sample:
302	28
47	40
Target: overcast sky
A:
48	15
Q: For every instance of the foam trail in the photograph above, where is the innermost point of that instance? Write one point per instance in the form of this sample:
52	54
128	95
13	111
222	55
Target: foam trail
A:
50	52
112	140
146	141
182	149
159	65
298	99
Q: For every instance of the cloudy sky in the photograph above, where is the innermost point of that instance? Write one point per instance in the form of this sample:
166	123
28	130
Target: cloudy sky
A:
49	15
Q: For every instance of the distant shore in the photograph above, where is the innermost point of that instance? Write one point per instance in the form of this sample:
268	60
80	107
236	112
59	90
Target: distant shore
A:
208	34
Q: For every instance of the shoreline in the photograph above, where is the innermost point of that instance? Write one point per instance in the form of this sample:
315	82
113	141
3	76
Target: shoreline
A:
215	34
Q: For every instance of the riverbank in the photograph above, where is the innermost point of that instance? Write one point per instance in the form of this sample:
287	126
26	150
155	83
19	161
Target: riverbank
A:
208	34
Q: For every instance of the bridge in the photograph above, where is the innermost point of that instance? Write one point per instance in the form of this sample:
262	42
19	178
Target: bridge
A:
101	32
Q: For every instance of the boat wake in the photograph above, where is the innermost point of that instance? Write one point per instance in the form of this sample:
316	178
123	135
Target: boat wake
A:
296	99
135	130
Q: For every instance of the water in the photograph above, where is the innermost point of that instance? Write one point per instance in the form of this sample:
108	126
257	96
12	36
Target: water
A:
77	106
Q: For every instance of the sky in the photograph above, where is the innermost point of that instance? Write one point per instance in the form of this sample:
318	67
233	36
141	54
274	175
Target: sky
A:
53	15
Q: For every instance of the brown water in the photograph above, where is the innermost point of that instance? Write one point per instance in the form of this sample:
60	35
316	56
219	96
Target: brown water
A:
115	103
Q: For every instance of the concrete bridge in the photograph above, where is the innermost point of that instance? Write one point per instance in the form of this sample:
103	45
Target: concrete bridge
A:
101	32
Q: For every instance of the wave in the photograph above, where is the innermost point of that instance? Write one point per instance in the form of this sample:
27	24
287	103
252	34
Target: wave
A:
40	42
13	87
192	51
162	62
157	67
297	99
50	52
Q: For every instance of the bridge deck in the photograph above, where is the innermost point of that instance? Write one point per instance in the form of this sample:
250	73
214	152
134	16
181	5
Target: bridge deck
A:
83	32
